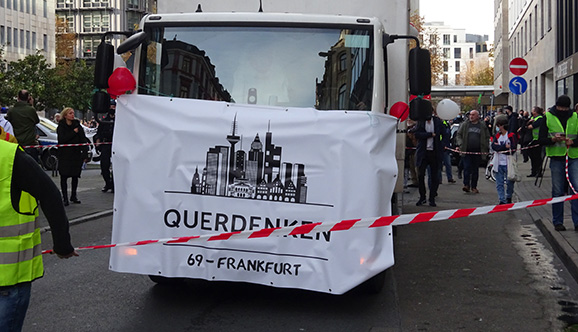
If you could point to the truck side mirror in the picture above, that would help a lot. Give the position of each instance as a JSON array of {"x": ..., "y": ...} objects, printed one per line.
[
  {"x": 420, "y": 109},
  {"x": 419, "y": 72},
  {"x": 104, "y": 64},
  {"x": 132, "y": 42},
  {"x": 100, "y": 102}
]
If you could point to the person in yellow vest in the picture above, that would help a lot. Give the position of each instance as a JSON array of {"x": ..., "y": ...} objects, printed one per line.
[
  {"x": 22, "y": 182},
  {"x": 535, "y": 153},
  {"x": 559, "y": 135}
]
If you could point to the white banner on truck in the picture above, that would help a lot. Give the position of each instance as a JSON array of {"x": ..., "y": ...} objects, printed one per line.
[{"x": 188, "y": 167}]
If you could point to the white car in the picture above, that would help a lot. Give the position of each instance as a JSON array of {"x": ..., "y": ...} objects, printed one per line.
[{"x": 47, "y": 136}]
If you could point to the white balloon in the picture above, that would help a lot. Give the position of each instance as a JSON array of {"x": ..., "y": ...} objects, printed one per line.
[{"x": 447, "y": 109}]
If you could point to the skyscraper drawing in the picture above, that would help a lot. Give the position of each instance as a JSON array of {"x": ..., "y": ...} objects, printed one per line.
[
  {"x": 258, "y": 174},
  {"x": 233, "y": 139},
  {"x": 272, "y": 157}
]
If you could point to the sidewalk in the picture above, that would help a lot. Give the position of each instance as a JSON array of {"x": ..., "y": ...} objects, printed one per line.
[
  {"x": 565, "y": 243},
  {"x": 95, "y": 204}
]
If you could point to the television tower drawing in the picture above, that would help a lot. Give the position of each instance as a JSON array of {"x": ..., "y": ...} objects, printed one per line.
[{"x": 233, "y": 139}]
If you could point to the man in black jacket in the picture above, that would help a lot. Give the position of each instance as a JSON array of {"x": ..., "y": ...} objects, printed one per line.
[
  {"x": 20, "y": 250},
  {"x": 429, "y": 152},
  {"x": 104, "y": 135}
]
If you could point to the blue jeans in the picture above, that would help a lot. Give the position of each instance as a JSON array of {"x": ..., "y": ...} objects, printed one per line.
[
  {"x": 501, "y": 180},
  {"x": 447, "y": 163},
  {"x": 13, "y": 305},
  {"x": 558, "y": 171},
  {"x": 471, "y": 169}
]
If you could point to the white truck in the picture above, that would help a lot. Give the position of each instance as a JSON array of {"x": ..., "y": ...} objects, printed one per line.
[{"x": 303, "y": 56}]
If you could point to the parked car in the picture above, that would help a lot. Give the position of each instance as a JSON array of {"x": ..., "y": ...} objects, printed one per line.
[{"x": 47, "y": 137}]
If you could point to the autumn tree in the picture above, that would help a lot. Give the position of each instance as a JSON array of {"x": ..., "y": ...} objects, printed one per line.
[
  {"x": 430, "y": 44},
  {"x": 476, "y": 73},
  {"x": 65, "y": 41}
]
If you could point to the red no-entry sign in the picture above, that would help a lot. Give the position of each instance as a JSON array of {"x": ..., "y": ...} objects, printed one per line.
[{"x": 518, "y": 66}]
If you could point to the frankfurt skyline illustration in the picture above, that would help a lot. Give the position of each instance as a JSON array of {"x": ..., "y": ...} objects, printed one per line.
[{"x": 259, "y": 174}]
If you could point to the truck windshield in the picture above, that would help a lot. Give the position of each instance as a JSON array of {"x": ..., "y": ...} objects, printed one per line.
[{"x": 325, "y": 68}]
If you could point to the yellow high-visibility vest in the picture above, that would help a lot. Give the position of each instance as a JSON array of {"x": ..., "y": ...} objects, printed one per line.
[{"x": 20, "y": 250}]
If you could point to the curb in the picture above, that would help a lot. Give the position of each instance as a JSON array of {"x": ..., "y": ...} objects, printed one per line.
[
  {"x": 82, "y": 219},
  {"x": 563, "y": 249}
]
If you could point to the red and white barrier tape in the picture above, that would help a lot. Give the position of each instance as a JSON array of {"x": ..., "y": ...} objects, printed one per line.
[
  {"x": 345, "y": 225},
  {"x": 62, "y": 145}
]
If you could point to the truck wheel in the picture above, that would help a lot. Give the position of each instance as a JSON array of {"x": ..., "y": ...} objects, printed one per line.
[
  {"x": 165, "y": 280},
  {"x": 375, "y": 284}
]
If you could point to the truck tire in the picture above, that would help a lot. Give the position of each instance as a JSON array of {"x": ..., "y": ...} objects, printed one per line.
[
  {"x": 165, "y": 280},
  {"x": 375, "y": 284}
]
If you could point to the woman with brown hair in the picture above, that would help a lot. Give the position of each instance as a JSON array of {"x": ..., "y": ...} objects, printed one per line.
[{"x": 70, "y": 158}]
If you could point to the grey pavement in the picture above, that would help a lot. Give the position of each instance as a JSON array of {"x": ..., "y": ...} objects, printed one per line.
[
  {"x": 94, "y": 203},
  {"x": 451, "y": 196}
]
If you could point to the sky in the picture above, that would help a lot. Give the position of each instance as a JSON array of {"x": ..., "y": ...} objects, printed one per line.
[{"x": 476, "y": 16}]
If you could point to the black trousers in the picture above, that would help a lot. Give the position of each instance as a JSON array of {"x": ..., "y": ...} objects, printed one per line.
[
  {"x": 432, "y": 161},
  {"x": 536, "y": 158},
  {"x": 105, "y": 162}
]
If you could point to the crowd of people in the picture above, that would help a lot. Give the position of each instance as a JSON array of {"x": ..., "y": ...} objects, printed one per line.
[
  {"x": 501, "y": 136},
  {"x": 26, "y": 184}
]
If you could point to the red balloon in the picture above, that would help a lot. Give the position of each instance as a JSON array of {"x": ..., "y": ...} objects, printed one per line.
[
  {"x": 114, "y": 93},
  {"x": 400, "y": 110},
  {"x": 121, "y": 81}
]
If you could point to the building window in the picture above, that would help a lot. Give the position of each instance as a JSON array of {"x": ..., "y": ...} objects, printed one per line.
[
  {"x": 95, "y": 21},
  {"x": 446, "y": 39},
  {"x": 457, "y": 79},
  {"x": 342, "y": 62},
  {"x": 33, "y": 7},
  {"x": 455, "y": 38},
  {"x": 2, "y": 3},
  {"x": 447, "y": 52},
  {"x": 542, "y": 18},
  {"x": 22, "y": 6},
  {"x": 45, "y": 43},
  {"x": 15, "y": 38},
  {"x": 458, "y": 66},
  {"x": 132, "y": 20},
  {"x": 22, "y": 40},
  {"x": 27, "y": 40},
  {"x": 445, "y": 79},
  {"x": 433, "y": 39},
  {"x": 186, "y": 65},
  {"x": 45, "y": 8},
  {"x": 132, "y": 4},
  {"x": 445, "y": 66},
  {"x": 341, "y": 97},
  {"x": 523, "y": 41},
  {"x": 15, "y": 4},
  {"x": 68, "y": 19},
  {"x": 33, "y": 41},
  {"x": 9, "y": 4},
  {"x": 549, "y": 13},
  {"x": 89, "y": 46},
  {"x": 471, "y": 52},
  {"x": 28, "y": 6},
  {"x": 95, "y": 3},
  {"x": 536, "y": 25},
  {"x": 9, "y": 36},
  {"x": 457, "y": 53},
  {"x": 530, "y": 32}
]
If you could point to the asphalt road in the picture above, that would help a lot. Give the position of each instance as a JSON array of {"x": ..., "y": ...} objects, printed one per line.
[{"x": 486, "y": 273}]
